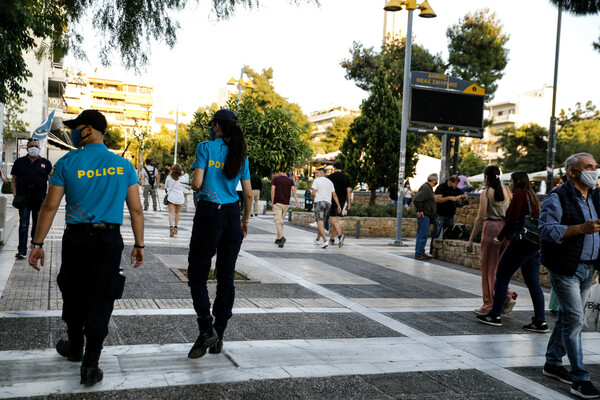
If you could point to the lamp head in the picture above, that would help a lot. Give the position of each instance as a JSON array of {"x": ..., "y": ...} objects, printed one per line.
[
  {"x": 426, "y": 10},
  {"x": 249, "y": 85},
  {"x": 393, "y": 5},
  {"x": 232, "y": 81}
]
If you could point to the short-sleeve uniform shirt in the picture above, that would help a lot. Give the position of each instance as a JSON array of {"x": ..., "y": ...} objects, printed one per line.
[
  {"x": 32, "y": 177},
  {"x": 95, "y": 182},
  {"x": 216, "y": 187}
]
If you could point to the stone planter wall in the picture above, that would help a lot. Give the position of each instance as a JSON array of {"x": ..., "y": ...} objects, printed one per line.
[
  {"x": 454, "y": 251},
  {"x": 362, "y": 198},
  {"x": 369, "y": 226}
]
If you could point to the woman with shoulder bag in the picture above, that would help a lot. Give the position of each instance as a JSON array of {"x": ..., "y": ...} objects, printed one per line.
[
  {"x": 174, "y": 198},
  {"x": 493, "y": 204},
  {"x": 520, "y": 253}
]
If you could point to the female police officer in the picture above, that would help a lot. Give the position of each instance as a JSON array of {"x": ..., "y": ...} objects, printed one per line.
[
  {"x": 96, "y": 182},
  {"x": 220, "y": 164}
]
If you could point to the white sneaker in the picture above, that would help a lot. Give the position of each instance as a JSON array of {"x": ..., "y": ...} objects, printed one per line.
[
  {"x": 325, "y": 244},
  {"x": 316, "y": 242},
  {"x": 313, "y": 224}
]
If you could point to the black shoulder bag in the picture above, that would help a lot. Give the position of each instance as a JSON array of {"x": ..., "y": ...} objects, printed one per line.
[{"x": 529, "y": 228}]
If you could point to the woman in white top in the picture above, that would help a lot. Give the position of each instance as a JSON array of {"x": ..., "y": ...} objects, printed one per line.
[{"x": 174, "y": 187}]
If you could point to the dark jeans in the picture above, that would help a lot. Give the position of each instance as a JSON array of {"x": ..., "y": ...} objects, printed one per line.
[
  {"x": 215, "y": 230},
  {"x": 90, "y": 282},
  {"x": 439, "y": 223},
  {"x": 33, "y": 211},
  {"x": 524, "y": 255}
]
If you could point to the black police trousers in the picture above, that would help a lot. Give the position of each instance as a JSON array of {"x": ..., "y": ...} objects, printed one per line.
[
  {"x": 90, "y": 282},
  {"x": 216, "y": 229}
]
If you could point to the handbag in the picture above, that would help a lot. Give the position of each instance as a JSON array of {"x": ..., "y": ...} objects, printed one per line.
[
  {"x": 20, "y": 201},
  {"x": 529, "y": 228},
  {"x": 591, "y": 308},
  {"x": 165, "y": 200}
]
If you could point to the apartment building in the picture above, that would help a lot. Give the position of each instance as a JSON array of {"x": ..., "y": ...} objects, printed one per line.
[
  {"x": 323, "y": 119},
  {"x": 533, "y": 106}
]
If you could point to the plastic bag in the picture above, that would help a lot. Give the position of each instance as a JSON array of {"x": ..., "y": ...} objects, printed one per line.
[{"x": 591, "y": 308}]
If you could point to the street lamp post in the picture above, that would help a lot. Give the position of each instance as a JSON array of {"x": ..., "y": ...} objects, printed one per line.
[
  {"x": 426, "y": 12},
  {"x": 176, "y": 130},
  {"x": 240, "y": 84},
  {"x": 552, "y": 131}
]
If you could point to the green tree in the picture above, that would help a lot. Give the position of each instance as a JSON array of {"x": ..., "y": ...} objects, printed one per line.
[
  {"x": 274, "y": 142},
  {"x": 335, "y": 134},
  {"x": 365, "y": 64},
  {"x": 471, "y": 164},
  {"x": 125, "y": 27},
  {"x": 524, "y": 148},
  {"x": 13, "y": 124},
  {"x": 578, "y": 136},
  {"x": 431, "y": 146},
  {"x": 477, "y": 50},
  {"x": 570, "y": 116},
  {"x": 370, "y": 151},
  {"x": 114, "y": 138}
]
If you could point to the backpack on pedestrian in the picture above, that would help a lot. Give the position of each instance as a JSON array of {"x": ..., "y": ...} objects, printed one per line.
[{"x": 151, "y": 176}]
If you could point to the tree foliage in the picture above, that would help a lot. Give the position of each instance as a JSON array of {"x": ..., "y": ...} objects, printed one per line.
[
  {"x": 471, "y": 164},
  {"x": 571, "y": 116},
  {"x": 578, "y": 136},
  {"x": 366, "y": 63},
  {"x": 477, "y": 50},
  {"x": 524, "y": 148},
  {"x": 580, "y": 7},
  {"x": 13, "y": 124},
  {"x": 334, "y": 135},
  {"x": 125, "y": 27},
  {"x": 114, "y": 138},
  {"x": 274, "y": 142},
  {"x": 370, "y": 151}
]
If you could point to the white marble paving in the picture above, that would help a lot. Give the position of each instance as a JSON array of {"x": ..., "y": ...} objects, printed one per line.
[{"x": 319, "y": 272}]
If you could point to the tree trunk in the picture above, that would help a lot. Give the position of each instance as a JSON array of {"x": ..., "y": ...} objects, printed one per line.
[{"x": 373, "y": 196}]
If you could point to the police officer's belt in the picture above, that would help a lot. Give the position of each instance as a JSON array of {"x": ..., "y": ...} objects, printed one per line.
[{"x": 94, "y": 226}]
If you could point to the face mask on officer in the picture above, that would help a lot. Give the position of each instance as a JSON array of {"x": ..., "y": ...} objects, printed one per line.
[
  {"x": 33, "y": 151},
  {"x": 76, "y": 136},
  {"x": 589, "y": 178}
]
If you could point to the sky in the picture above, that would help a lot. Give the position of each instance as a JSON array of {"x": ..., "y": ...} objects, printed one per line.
[{"x": 304, "y": 44}]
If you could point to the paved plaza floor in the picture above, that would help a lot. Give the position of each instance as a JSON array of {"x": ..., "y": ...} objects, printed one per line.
[{"x": 365, "y": 321}]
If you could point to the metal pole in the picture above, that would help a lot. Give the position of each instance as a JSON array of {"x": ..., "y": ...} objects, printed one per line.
[
  {"x": 444, "y": 160},
  {"x": 404, "y": 129},
  {"x": 240, "y": 86},
  {"x": 176, "y": 134},
  {"x": 552, "y": 131}
]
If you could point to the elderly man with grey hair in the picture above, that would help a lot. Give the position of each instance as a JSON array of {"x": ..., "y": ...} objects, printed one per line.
[
  {"x": 425, "y": 205},
  {"x": 570, "y": 241}
]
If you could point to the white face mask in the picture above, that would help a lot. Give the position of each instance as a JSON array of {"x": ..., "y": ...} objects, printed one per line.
[
  {"x": 589, "y": 178},
  {"x": 33, "y": 151}
]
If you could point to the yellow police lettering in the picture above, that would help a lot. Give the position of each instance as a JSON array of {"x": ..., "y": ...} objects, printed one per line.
[
  {"x": 111, "y": 171},
  {"x": 218, "y": 165},
  {"x": 80, "y": 173},
  {"x": 103, "y": 171},
  {"x": 119, "y": 170},
  {"x": 98, "y": 173},
  {"x": 90, "y": 174},
  {"x": 211, "y": 163}
]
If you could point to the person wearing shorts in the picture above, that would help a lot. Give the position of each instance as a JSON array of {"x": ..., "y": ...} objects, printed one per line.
[
  {"x": 322, "y": 193},
  {"x": 281, "y": 188}
]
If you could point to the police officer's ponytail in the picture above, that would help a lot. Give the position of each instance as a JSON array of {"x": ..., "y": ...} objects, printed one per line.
[{"x": 238, "y": 148}]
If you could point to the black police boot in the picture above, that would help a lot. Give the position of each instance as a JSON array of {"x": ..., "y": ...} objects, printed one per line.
[
  {"x": 220, "y": 329},
  {"x": 65, "y": 348},
  {"x": 90, "y": 372},
  {"x": 207, "y": 338}
]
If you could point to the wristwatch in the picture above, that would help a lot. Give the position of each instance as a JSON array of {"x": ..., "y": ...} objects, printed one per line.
[{"x": 35, "y": 245}]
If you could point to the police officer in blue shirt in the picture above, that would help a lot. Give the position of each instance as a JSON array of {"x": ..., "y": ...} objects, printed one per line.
[
  {"x": 96, "y": 183},
  {"x": 220, "y": 164}
]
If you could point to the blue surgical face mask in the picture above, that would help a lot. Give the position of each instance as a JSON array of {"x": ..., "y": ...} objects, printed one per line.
[{"x": 76, "y": 136}]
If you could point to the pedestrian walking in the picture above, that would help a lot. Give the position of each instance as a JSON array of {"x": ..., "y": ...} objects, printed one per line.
[
  {"x": 425, "y": 206},
  {"x": 343, "y": 190},
  {"x": 174, "y": 187},
  {"x": 493, "y": 203},
  {"x": 281, "y": 188},
  {"x": 257, "y": 186},
  {"x": 569, "y": 239},
  {"x": 29, "y": 184},
  {"x": 520, "y": 253},
  {"x": 322, "y": 194},
  {"x": 148, "y": 182},
  {"x": 220, "y": 164},
  {"x": 96, "y": 184},
  {"x": 447, "y": 195}
]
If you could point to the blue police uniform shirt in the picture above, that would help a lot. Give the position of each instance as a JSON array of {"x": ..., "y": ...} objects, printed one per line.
[
  {"x": 216, "y": 187},
  {"x": 96, "y": 183}
]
